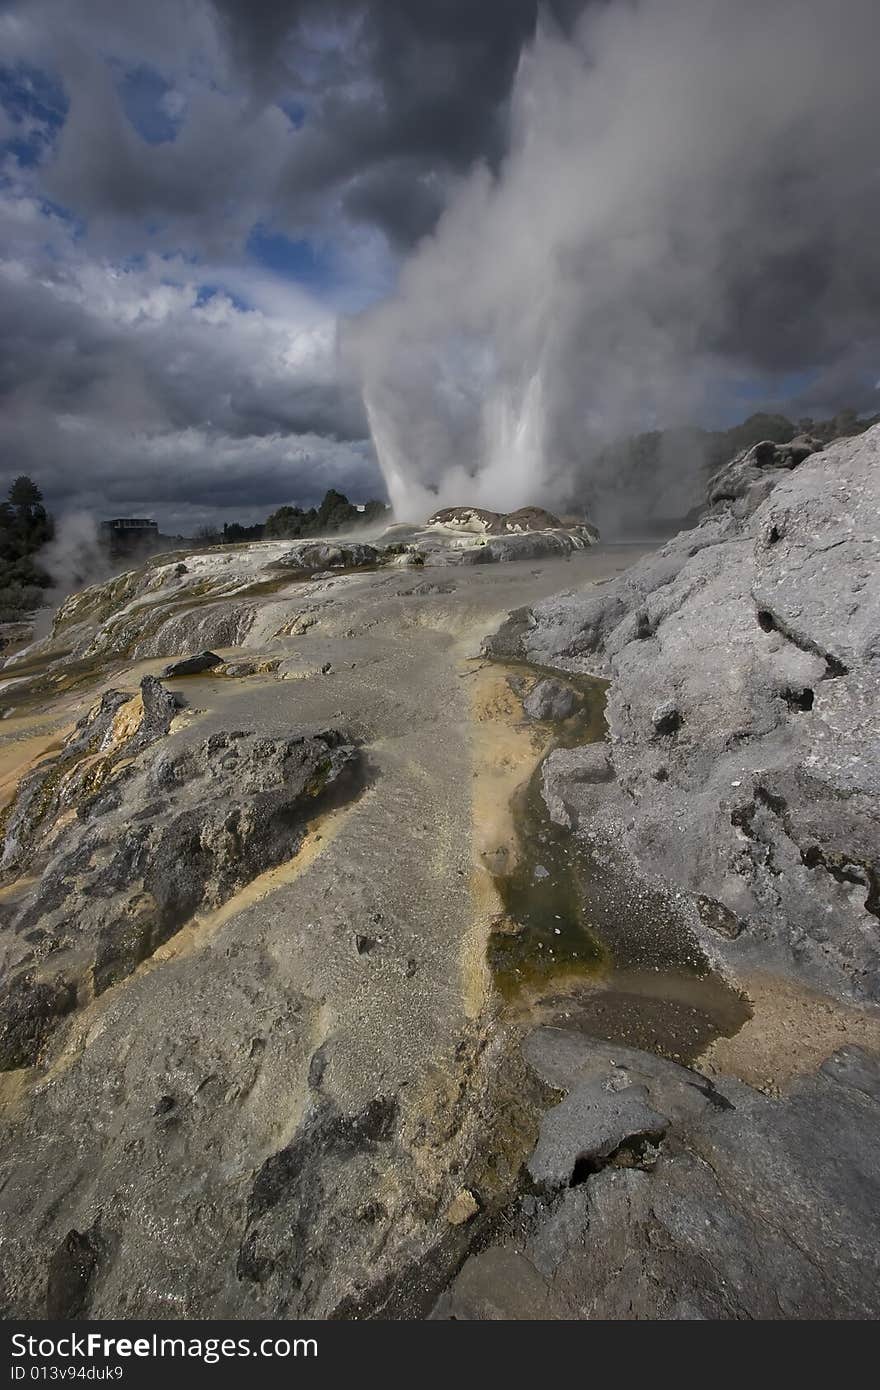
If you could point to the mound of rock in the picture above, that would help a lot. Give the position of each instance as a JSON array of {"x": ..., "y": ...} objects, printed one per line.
[
  {"x": 744, "y": 710},
  {"x": 327, "y": 555},
  {"x": 479, "y": 521},
  {"x": 157, "y": 834},
  {"x": 475, "y": 519},
  {"x": 752, "y": 474}
]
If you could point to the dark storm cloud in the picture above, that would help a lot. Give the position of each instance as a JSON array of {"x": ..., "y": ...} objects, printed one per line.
[
  {"x": 390, "y": 102},
  {"x": 413, "y": 94},
  {"x": 126, "y": 379}
]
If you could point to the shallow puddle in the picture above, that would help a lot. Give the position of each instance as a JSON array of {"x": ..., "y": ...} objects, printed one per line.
[{"x": 584, "y": 944}]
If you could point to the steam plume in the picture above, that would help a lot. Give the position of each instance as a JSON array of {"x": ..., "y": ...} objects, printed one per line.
[
  {"x": 685, "y": 225},
  {"x": 73, "y": 559}
]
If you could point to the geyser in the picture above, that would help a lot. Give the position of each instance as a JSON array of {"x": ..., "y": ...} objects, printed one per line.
[{"x": 681, "y": 230}]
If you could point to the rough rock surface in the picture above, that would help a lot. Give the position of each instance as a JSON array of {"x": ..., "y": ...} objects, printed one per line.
[
  {"x": 744, "y": 718},
  {"x": 274, "y": 1114},
  {"x": 569, "y": 778},
  {"x": 487, "y": 523},
  {"x": 747, "y": 1207},
  {"x": 326, "y": 555},
  {"x": 550, "y": 699},
  {"x": 156, "y": 837},
  {"x": 592, "y": 1123},
  {"x": 192, "y": 665}
]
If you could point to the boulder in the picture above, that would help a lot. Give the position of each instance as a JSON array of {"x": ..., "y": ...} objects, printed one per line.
[
  {"x": 550, "y": 700},
  {"x": 572, "y": 781},
  {"x": 192, "y": 665}
]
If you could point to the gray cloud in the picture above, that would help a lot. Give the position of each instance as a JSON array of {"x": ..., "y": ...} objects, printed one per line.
[
  {"x": 121, "y": 390},
  {"x": 123, "y": 387},
  {"x": 397, "y": 100},
  {"x": 657, "y": 215}
]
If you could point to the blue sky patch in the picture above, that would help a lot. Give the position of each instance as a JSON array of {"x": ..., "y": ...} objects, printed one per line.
[
  {"x": 151, "y": 104},
  {"x": 207, "y": 292},
  {"x": 303, "y": 262},
  {"x": 294, "y": 111},
  {"x": 38, "y": 105}
]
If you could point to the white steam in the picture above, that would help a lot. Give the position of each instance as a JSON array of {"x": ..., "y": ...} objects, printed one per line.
[
  {"x": 74, "y": 559},
  {"x": 689, "y": 203}
]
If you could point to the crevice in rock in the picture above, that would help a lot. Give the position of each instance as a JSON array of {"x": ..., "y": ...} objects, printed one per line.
[
  {"x": 707, "y": 1088},
  {"x": 799, "y": 699},
  {"x": 637, "y": 1151},
  {"x": 846, "y": 871},
  {"x": 71, "y": 1274},
  {"x": 771, "y": 622}
]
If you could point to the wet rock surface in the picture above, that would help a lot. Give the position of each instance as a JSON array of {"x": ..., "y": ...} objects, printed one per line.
[
  {"x": 743, "y": 712},
  {"x": 742, "y": 1207},
  {"x": 549, "y": 699},
  {"x": 29, "y": 1011}
]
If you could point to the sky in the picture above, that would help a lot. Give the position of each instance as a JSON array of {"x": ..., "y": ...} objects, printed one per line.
[
  {"x": 198, "y": 197},
  {"x": 192, "y": 194}
]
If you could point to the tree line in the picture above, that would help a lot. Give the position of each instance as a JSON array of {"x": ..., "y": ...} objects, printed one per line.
[
  {"x": 334, "y": 513},
  {"x": 25, "y": 527}
]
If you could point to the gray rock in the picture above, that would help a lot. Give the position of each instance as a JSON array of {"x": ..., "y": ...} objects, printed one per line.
[
  {"x": 756, "y": 1208},
  {"x": 192, "y": 665},
  {"x": 528, "y": 545},
  {"x": 159, "y": 708},
  {"x": 72, "y": 1269},
  {"x": 566, "y": 1060},
  {"x": 56, "y": 785},
  {"x": 29, "y": 1011},
  {"x": 588, "y": 1126},
  {"x": 550, "y": 700},
  {"x": 162, "y": 838},
  {"x": 496, "y": 1285},
  {"x": 759, "y": 763},
  {"x": 328, "y": 555},
  {"x": 573, "y": 780}
]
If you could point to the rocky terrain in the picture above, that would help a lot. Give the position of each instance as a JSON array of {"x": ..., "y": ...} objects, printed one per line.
[
  {"x": 744, "y": 724},
  {"x": 740, "y": 770},
  {"x": 351, "y": 973}
]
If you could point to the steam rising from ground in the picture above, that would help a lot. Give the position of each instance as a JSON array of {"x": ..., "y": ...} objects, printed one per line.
[
  {"x": 689, "y": 207},
  {"x": 74, "y": 558}
]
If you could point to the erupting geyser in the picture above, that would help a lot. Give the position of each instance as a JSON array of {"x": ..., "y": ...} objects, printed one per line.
[{"x": 679, "y": 218}]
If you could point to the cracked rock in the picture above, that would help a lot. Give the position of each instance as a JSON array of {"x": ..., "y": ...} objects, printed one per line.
[{"x": 588, "y": 1126}]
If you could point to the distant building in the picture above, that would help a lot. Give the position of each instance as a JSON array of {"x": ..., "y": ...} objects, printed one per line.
[{"x": 130, "y": 533}]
